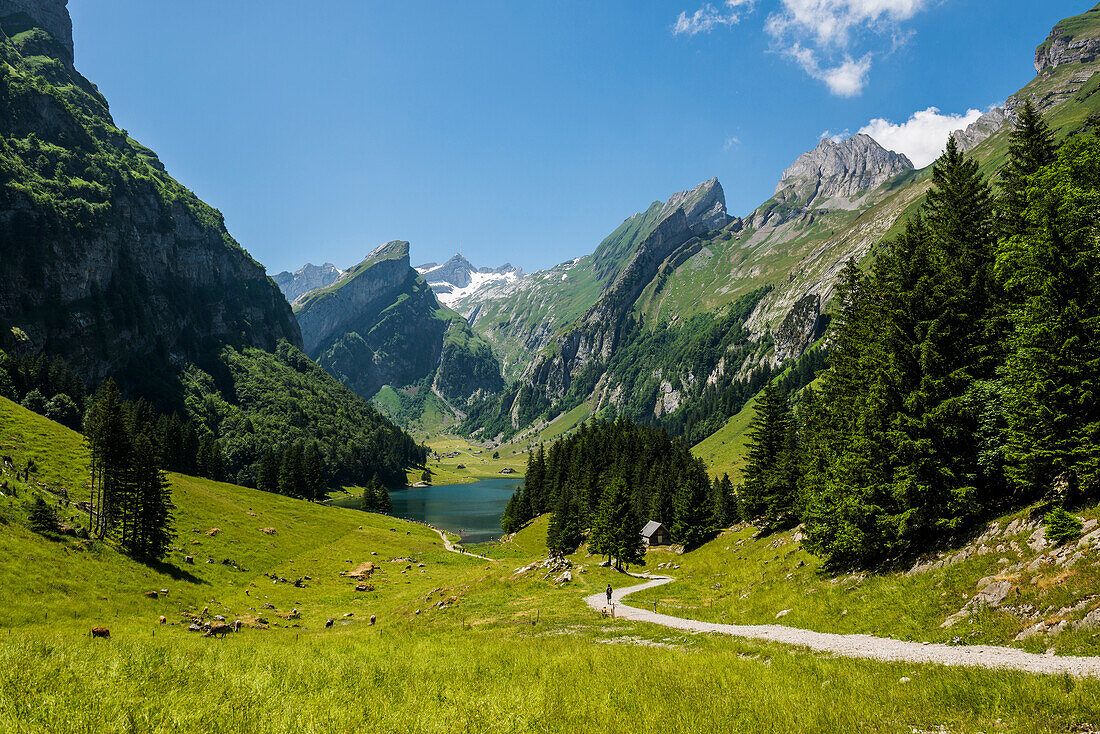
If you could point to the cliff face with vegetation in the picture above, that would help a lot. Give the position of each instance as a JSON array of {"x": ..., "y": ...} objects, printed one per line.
[
  {"x": 380, "y": 324},
  {"x": 105, "y": 259}
]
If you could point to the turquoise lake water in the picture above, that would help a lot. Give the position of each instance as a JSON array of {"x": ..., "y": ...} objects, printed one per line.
[{"x": 471, "y": 510}]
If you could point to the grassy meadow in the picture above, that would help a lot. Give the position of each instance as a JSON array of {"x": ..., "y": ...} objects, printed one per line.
[{"x": 460, "y": 644}]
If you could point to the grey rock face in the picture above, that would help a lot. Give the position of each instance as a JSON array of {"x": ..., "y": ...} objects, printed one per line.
[
  {"x": 50, "y": 15},
  {"x": 1061, "y": 48},
  {"x": 799, "y": 329},
  {"x": 705, "y": 204},
  {"x": 307, "y": 278},
  {"x": 323, "y": 317},
  {"x": 980, "y": 129},
  {"x": 457, "y": 271},
  {"x": 843, "y": 169}
]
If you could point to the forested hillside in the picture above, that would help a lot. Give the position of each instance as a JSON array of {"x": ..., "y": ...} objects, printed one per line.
[
  {"x": 964, "y": 365},
  {"x": 105, "y": 259},
  {"x": 110, "y": 268}
]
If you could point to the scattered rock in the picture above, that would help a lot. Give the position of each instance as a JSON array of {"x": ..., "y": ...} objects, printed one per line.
[
  {"x": 151, "y": 594},
  {"x": 213, "y": 531},
  {"x": 565, "y": 578},
  {"x": 904, "y": 679},
  {"x": 783, "y": 613},
  {"x": 267, "y": 531}
]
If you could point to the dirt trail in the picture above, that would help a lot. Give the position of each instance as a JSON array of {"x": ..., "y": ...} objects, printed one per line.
[
  {"x": 859, "y": 646},
  {"x": 450, "y": 546}
]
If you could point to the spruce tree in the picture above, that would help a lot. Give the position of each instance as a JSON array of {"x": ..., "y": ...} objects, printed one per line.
[
  {"x": 616, "y": 532},
  {"x": 1052, "y": 373},
  {"x": 382, "y": 496},
  {"x": 41, "y": 517},
  {"x": 692, "y": 523},
  {"x": 313, "y": 481},
  {"x": 768, "y": 493},
  {"x": 267, "y": 477},
  {"x": 1030, "y": 148},
  {"x": 564, "y": 533},
  {"x": 152, "y": 532},
  {"x": 369, "y": 501}
]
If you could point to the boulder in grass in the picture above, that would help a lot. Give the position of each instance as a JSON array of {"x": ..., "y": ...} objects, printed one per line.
[{"x": 268, "y": 531}]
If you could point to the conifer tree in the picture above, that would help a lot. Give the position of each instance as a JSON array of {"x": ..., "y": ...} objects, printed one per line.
[
  {"x": 616, "y": 532},
  {"x": 1052, "y": 373},
  {"x": 313, "y": 481},
  {"x": 382, "y": 496},
  {"x": 693, "y": 516},
  {"x": 768, "y": 493},
  {"x": 1031, "y": 147},
  {"x": 564, "y": 533},
  {"x": 152, "y": 532},
  {"x": 369, "y": 501},
  {"x": 267, "y": 479},
  {"x": 42, "y": 518}
]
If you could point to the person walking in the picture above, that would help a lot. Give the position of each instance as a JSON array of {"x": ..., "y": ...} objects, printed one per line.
[{"x": 609, "y": 593}]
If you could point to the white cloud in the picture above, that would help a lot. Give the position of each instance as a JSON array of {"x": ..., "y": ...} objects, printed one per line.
[
  {"x": 923, "y": 136},
  {"x": 707, "y": 17},
  {"x": 820, "y": 35},
  {"x": 845, "y": 79},
  {"x": 730, "y": 143}
]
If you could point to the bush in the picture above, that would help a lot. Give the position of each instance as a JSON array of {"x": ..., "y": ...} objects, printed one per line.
[
  {"x": 61, "y": 409},
  {"x": 35, "y": 402},
  {"x": 1062, "y": 527}
]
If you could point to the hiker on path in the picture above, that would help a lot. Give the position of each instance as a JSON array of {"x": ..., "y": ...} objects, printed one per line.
[{"x": 609, "y": 593}]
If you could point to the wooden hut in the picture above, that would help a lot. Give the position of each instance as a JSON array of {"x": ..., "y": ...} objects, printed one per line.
[{"x": 655, "y": 533}]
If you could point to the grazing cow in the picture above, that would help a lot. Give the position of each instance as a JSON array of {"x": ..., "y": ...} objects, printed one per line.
[
  {"x": 162, "y": 620},
  {"x": 219, "y": 629},
  {"x": 372, "y": 619},
  {"x": 237, "y": 626},
  {"x": 101, "y": 632},
  {"x": 329, "y": 623}
]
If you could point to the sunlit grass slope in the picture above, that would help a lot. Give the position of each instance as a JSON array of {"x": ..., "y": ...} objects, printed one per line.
[{"x": 460, "y": 644}]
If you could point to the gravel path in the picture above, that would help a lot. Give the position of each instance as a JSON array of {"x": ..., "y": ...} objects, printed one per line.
[
  {"x": 450, "y": 546},
  {"x": 858, "y": 646}
]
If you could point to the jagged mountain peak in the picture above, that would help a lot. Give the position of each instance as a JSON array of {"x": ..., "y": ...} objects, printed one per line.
[
  {"x": 50, "y": 15},
  {"x": 306, "y": 278},
  {"x": 840, "y": 169},
  {"x": 704, "y": 204},
  {"x": 458, "y": 277}
]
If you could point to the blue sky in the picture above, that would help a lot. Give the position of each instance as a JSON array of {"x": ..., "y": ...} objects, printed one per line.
[{"x": 521, "y": 130}]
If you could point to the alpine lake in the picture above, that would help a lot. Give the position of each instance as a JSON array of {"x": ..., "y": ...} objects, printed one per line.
[{"x": 472, "y": 510}]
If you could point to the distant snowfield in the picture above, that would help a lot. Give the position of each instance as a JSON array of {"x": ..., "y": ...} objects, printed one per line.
[{"x": 448, "y": 294}]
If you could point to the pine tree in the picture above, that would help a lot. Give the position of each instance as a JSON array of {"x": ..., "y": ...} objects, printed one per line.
[
  {"x": 313, "y": 482},
  {"x": 382, "y": 496},
  {"x": 564, "y": 533},
  {"x": 768, "y": 493},
  {"x": 369, "y": 501},
  {"x": 42, "y": 518},
  {"x": 1052, "y": 373},
  {"x": 110, "y": 450},
  {"x": 1031, "y": 147},
  {"x": 152, "y": 531},
  {"x": 267, "y": 477},
  {"x": 616, "y": 532},
  {"x": 290, "y": 470},
  {"x": 692, "y": 518}
]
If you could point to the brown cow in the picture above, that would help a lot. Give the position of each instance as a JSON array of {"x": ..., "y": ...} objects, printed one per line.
[
  {"x": 217, "y": 629},
  {"x": 101, "y": 632},
  {"x": 162, "y": 620},
  {"x": 237, "y": 626}
]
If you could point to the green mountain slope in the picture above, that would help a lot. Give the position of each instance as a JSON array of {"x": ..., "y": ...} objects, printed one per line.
[
  {"x": 380, "y": 325},
  {"x": 834, "y": 204},
  {"x": 105, "y": 259}
]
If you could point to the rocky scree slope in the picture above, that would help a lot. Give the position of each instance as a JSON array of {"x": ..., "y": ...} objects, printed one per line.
[
  {"x": 105, "y": 259},
  {"x": 458, "y": 278},
  {"x": 380, "y": 324}
]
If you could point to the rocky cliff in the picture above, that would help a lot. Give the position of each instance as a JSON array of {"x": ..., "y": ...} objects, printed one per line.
[
  {"x": 839, "y": 170},
  {"x": 105, "y": 260},
  {"x": 306, "y": 278},
  {"x": 52, "y": 16},
  {"x": 1075, "y": 40},
  {"x": 380, "y": 324}
]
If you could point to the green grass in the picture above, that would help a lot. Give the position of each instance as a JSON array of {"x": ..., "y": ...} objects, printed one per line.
[
  {"x": 460, "y": 645},
  {"x": 478, "y": 462},
  {"x": 743, "y": 579},
  {"x": 726, "y": 450}
]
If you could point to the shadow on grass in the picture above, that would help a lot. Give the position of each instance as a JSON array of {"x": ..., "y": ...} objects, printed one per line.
[{"x": 177, "y": 573}]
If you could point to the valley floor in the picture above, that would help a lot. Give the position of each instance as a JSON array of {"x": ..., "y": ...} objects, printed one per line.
[{"x": 459, "y": 643}]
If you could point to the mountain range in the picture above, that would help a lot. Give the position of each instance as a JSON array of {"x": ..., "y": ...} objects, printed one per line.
[{"x": 631, "y": 329}]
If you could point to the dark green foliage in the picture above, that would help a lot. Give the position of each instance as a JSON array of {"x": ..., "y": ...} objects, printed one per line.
[
  {"x": 768, "y": 494},
  {"x": 893, "y": 459},
  {"x": 41, "y": 517},
  {"x": 376, "y": 498},
  {"x": 63, "y": 410},
  {"x": 616, "y": 530},
  {"x": 666, "y": 482},
  {"x": 257, "y": 402},
  {"x": 1062, "y": 527},
  {"x": 34, "y": 401},
  {"x": 131, "y": 496},
  {"x": 724, "y": 504},
  {"x": 564, "y": 533},
  {"x": 1031, "y": 147},
  {"x": 1052, "y": 373},
  {"x": 267, "y": 478}
]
